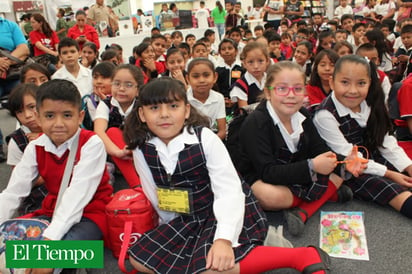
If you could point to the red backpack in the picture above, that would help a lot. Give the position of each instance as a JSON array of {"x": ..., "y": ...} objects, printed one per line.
[{"x": 129, "y": 215}]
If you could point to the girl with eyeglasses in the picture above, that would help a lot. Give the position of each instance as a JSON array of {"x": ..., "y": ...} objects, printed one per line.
[
  {"x": 286, "y": 162},
  {"x": 112, "y": 111}
]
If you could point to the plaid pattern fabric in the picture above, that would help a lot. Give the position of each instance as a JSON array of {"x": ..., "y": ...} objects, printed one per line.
[
  {"x": 349, "y": 127},
  {"x": 33, "y": 201},
  {"x": 19, "y": 137},
  {"x": 181, "y": 246},
  {"x": 366, "y": 187},
  {"x": 309, "y": 192},
  {"x": 115, "y": 118}
]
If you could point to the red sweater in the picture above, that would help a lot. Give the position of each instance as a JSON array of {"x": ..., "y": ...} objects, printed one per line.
[{"x": 88, "y": 31}]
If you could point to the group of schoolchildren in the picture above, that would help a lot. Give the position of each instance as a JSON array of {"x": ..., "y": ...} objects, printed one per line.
[{"x": 161, "y": 120}]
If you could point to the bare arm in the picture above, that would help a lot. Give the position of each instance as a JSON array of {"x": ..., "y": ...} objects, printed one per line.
[
  {"x": 100, "y": 127},
  {"x": 221, "y": 126},
  {"x": 42, "y": 47}
]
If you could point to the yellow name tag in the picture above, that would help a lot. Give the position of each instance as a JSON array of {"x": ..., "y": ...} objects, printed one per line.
[
  {"x": 236, "y": 74},
  {"x": 176, "y": 200}
]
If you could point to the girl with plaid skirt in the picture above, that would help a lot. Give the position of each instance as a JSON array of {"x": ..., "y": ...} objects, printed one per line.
[
  {"x": 283, "y": 158},
  {"x": 355, "y": 114},
  {"x": 209, "y": 220}
]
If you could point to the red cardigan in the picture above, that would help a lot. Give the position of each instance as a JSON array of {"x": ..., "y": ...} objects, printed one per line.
[{"x": 88, "y": 31}]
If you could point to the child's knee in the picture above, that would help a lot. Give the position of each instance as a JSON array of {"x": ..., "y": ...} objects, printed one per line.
[{"x": 139, "y": 267}]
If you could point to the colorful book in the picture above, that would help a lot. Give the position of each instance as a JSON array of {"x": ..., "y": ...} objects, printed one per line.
[{"x": 342, "y": 234}]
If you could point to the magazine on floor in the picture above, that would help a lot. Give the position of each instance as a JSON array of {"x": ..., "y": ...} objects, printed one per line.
[{"x": 342, "y": 234}]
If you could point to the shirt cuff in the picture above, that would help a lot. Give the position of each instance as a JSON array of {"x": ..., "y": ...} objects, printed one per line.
[
  {"x": 227, "y": 232},
  {"x": 312, "y": 172}
]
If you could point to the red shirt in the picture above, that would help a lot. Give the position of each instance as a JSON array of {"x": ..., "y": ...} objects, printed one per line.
[
  {"x": 88, "y": 31},
  {"x": 49, "y": 42},
  {"x": 287, "y": 51},
  {"x": 146, "y": 78}
]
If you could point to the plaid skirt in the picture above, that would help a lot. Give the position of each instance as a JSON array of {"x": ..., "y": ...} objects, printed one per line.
[
  {"x": 379, "y": 189},
  {"x": 182, "y": 245}
]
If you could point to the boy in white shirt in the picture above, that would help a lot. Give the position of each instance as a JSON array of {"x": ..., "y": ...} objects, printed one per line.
[
  {"x": 69, "y": 53},
  {"x": 342, "y": 9}
]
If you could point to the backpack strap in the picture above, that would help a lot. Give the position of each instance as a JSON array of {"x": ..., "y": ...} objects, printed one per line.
[
  {"x": 242, "y": 85},
  {"x": 125, "y": 246}
]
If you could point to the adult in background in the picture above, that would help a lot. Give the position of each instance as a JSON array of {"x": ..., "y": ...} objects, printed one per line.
[
  {"x": 113, "y": 21},
  {"x": 13, "y": 41},
  {"x": 293, "y": 10},
  {"x": 61, "y": 24},
  {"x": 99, "y": 13},
  {"x": 274, "y": 10},
  {"x": 82, "y": 32},
  {"x": 201, "y": 15},
  {"x": 43, "y": 38},
  {"x": 218, "y": 15}
]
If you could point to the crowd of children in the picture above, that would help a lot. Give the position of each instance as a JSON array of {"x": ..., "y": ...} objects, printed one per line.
[{"x": 318, "y": 91}]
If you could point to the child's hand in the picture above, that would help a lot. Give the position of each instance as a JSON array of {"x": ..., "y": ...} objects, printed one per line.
[
  {"x": 399, "y": 178},
  {"x": 32, "y": 136},
  {"x": 124, "y": 154},
  {"x": 99, "y": 92},
  {"x": 178, "y": 75},
  {"x": 228, "y": 103},
  {"x": 324, "y": 163},
  {"x": 403, "y": 58},
  {"x": 150, "y": 64},
  {"x": 221, "y": 256},
  {"x": 355, "y": 164}
]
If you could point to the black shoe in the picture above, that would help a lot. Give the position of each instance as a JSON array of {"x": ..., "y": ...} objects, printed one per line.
[
  {"x": 345, "y": 194},
  {"x": 295, "y": 224},
  {"x": 323, "y": 265}
]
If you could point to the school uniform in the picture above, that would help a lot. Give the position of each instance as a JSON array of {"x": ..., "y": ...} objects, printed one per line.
[
  {"x": 16, "y": 144},
  {"x": 227, "y": 75},
  {"x": 109, "y": 109},
  {"x": 247, "y": 88},
  {"x": 342, "y": 128},
  {"x": 181, "y": 242},
  {"x": 83, "y": 81},
  {"x": 88, "y": 191},
  {"x": 213, "y": 107},
  {"x": 316, "y": 95},
  {"x": 269, "y": 153}
]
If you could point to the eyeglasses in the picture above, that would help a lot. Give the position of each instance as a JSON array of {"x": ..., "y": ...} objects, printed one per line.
[
  {"x": 125, "y": 85},
  {"x": 284, "y": 90},
  {"x": 302, "y": 37}
]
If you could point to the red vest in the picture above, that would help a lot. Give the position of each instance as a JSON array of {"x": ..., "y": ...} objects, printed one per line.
[{"x": 51, "y": 168}]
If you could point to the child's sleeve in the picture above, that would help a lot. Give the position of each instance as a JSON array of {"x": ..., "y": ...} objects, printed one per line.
[
  {"x": 229, "y": 200},
  {"x": 236, "y": 93},
  {"x": 20, "y": 183},
  {"x": 102, "y": 111},
  {"x": 14, "y": 154},
  {"x": 86, "y": 177}
]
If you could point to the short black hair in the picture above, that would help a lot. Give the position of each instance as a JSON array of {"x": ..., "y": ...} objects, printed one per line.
[
  {"x": 406, "y": 29},
  {"x": 104, "y": 69},
  {"x": 68, "y": 42},
  {"x": 58, "y": 90},
  {"x": 208, "y": 32},
  {"x": 36, "y": 67},
  {"x": 346, "y": 16}
]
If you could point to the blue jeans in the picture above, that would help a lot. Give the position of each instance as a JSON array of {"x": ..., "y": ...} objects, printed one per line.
[
  {"x": 86, "y": 229},
  {"x": 220, "y": 29}
]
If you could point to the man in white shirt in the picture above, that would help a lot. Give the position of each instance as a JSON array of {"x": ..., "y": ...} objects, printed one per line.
[{"x": 201, "y": 16}]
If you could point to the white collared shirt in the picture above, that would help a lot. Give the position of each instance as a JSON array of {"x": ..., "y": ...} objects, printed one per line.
[
  {"x": 103, "y": 111},
  {"x": 87, "y": 174},
  {"x": 83, "y": 82},
  {"x": 229, "y": 200},
  {"x": 214, "y": 107},
  {"x": 328, "y": 129},
  {"x": 291, "y": 140},
  {"x": 14, "y": 154},
  {"x": 236, "y": 93}
]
